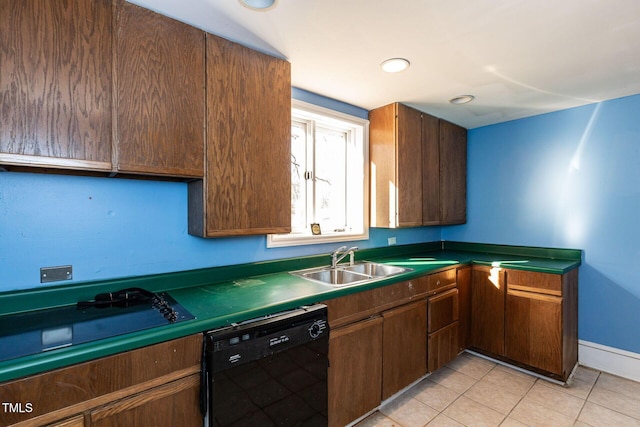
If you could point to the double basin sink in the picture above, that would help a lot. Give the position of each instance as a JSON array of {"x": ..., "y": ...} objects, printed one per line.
[{"x": 350, "y": 274}]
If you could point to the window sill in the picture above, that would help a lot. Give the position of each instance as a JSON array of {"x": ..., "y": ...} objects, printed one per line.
[{"x": 283, "y": 240}]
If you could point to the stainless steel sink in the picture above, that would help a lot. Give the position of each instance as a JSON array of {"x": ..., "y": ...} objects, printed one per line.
[
  {"x": 335, "y": 276},
  {"x": 375, "y": 269},
  {"x": 348, "y": 275}
]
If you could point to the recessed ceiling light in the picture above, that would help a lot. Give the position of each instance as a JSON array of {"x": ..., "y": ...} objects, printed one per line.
[
  {"x": 462, "y": 99},
  {"x": 395, "y": 65},
  {"x": 260, "y": 5}
]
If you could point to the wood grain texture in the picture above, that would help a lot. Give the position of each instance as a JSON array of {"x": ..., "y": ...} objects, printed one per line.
[
  {"x": 160, "y": 92},
  {"x": 442, "y": 346},
  {"x": 464, "y": 306},
  {"x": 383, "y": 160},
  {"x": 172, "y": 404},
  {"x": 443, "y": 310},
  {"x": 358, "y": 306},
  {"x": 533, "y": 330},
  {"x": 63, "y": 392},
  {"x": 409, "y": 167},
  {"x": 569, "y": 322},
  {"x": 487, "y": 310},
  {"x": 355, "y": 371},
  {"x": 55, "y": 79},
  {"x": 534, "y": 281},
  {"x": 438, "y": 282},
  {"x": 430, "y": 170},
  {"x": 404, "y": 348},
  {"x": 453, "y": 173},
  {"x": 248, "y": 176},
  {"x": 77, "y": 421}
]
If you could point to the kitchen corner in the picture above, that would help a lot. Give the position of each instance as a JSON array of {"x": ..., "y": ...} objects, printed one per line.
[{"x": 224, "y": 295}]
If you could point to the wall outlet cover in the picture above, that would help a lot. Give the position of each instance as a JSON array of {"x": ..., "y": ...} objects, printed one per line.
[{"x": 56, "y": 274}]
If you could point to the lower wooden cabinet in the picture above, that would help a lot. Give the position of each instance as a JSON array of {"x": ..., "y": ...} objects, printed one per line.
[
  {"x": 487, "y": 309},
  {"x": 156, "y": 385},
  {"x": 442, "y": 326},
  {"x": 533, "y": 335},
  {"x": 77, "y": 421},
  {"x": 172, "y": 404},
  {"x": 404, "y": 340},
  {"x": 355, "y": 370},
  {"x": 442, "y": 346},
  {"x": 526, "y": 318},
  {"x": 541, "y": 321},
  {"x": 464, "y": 307}
]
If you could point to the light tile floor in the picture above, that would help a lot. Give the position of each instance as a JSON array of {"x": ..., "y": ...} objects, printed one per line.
[{"x": 472, "y": 391}]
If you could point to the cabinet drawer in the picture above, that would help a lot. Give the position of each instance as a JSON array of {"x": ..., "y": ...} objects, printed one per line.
[
  {"x": 532, "y": 281},
  {"x": 442, "y": 310},
  {"x": 358, "y": 306},
  {"x": 440, "y": 281}
]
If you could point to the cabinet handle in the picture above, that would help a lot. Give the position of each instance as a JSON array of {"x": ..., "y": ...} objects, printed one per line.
[{"x": 536, "y": 296}]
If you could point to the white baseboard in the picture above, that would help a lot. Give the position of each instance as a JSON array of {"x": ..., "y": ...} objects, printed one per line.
[{"x": 609, "y": 359}]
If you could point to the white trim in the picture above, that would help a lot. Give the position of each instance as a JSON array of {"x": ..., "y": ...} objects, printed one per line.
[
  {"x": 609, "y": 359},
  {"x": 305, "y": 109}
]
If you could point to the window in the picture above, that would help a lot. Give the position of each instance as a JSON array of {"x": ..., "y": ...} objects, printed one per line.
[{"x": 329, "y": 177}]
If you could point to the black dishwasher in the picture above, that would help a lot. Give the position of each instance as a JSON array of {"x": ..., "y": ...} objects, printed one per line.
[{"x": 270, "y": 371}]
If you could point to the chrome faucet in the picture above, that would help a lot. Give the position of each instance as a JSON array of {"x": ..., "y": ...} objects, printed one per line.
[{"x": 340, "y": 253}]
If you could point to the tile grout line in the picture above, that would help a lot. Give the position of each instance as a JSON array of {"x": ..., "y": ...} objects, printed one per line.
[
  {"x": 586, "y": 399},
  {"x": 477, "y": 380},
  {"x": 606, "y": 407},
  {"x": 520, "y": 400}
]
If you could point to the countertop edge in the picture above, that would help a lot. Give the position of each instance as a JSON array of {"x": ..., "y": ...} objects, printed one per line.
[{"x": 34, "y": 364}]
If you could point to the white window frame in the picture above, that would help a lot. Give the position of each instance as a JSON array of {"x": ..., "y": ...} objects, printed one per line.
[{"x": 311, "y": 111}]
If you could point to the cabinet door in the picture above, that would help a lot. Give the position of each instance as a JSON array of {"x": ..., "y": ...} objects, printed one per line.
[
  {"x": 404, "y": 353},
  {"x": 173, "y": 404},
  {"x": 77, "y": 421},
  {"x": 55, "y": 87},
  {"x": 247, "y": 185},
  {"x": 453, "y": 173},
  {"x": 430, "y": 170},
  {"x": 395, "y": 154},
  {"x": 355, "y": 370},
  {"x": 160, "y": 78},
  {"x": 443, "y": 346},
  {"x": 533, "y": 330},
  {"x": 409, "y": 167},
  {"x": 464, "y": 307},
  {"x": 62, "y": 393},
  {"x": 487, "y": 309}
]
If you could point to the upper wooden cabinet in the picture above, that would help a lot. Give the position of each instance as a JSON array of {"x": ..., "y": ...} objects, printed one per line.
[
  {"x": 159, "y": 94},
  {"x": 418, "y": 168},
  {"x": 55, "y": 83},
  {"x": 396, "y": 173},
  {"x": 247, "y": 184},
  {"x": 453, "y": 173}
]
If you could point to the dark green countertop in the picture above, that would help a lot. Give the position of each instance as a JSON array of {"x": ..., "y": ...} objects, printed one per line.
[{"x": 224, "y": 295}]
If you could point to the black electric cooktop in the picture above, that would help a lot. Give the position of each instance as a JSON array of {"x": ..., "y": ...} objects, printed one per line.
[{"x": 35, "y": 332}]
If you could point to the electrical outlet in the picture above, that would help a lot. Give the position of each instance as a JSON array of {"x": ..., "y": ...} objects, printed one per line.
[
  {"x": 391, "y": 241},
  {"x": 56, "y": 274}
]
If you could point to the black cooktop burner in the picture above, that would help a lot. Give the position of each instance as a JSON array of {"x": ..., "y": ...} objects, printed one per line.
[{"x": 34, "y": 332}]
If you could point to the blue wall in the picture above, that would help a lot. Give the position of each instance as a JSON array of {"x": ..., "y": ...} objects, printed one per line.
[
  {"x": 567, "y": 179},
  {"x": 112, "y": 227}
]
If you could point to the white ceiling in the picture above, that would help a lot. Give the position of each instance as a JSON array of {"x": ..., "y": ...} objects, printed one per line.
[{"x": 517, "y": 57}]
